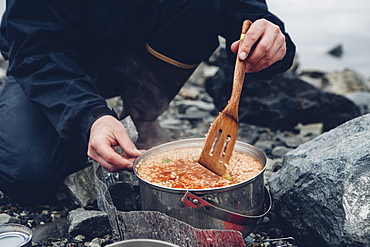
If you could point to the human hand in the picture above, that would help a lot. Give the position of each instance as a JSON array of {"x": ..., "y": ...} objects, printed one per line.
[
  {"x": 106, "y": 133},
  {"x": 263, "y": 45}
]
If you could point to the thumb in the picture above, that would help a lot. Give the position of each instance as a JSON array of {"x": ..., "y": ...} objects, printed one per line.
[
  {"x": 126, "y": 144},
  {"x": 235, "y": 46}
]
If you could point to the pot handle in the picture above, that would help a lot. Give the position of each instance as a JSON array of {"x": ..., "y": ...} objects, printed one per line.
[{"x": 194, "y": 201}]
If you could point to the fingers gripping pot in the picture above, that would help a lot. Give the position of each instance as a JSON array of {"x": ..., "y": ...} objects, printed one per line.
[{"x": 235, "y": 207}]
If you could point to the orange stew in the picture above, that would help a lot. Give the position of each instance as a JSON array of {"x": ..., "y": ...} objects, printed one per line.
[{"x": 179, "y": 168}]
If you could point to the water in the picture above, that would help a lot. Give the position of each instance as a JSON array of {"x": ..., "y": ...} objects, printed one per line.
[{"x": 317, "y": 26}]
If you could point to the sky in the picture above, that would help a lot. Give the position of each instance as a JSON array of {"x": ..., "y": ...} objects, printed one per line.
[{"x": 316, "y": 26}]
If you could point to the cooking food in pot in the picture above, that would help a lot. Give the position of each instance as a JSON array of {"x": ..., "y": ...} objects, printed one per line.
[{"x": 179, "y": 168}]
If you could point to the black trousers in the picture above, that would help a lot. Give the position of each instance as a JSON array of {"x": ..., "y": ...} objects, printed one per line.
[{"x": 34, "y": 159}]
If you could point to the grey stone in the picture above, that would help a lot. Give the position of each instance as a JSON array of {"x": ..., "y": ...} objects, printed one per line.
[
  {"x": 4, "y": 218},
  {"x": 336, "y": 51},
  {"x": 80, "y": 238},
  {"x": 314, "y": 81},
  {"x": 264, "y": 145},
  {"x": 89, "y": 223},
  {"x": 361, "y": 99},
  {"x": 346, "y": 81},
  {"x": 56, "y": 229},
  {"x": 274, "y": 164},
  {"x": 322, "y": 192},
  {"x": 59, "y": 244},
  {"x": 198, "y": 104},
  {"x": 130, "y": 128},
  {"x": 80, "y": 186},
  {"x": 339, "y": 82},
  {"x": 311, "y": 130},
  {"x": 171, "y": 123},
  {"x": 249, "y": 240},
  {"x": 202, "y": 72},
  {"x": 194, "y": 113},
  {"x": 280, "y": 151},
  {"x": 250, "y": 133},
  {"x": 115, "y": 104},
  {"x": 293, "y": 141},
  {"x": 96, "y": 242}
]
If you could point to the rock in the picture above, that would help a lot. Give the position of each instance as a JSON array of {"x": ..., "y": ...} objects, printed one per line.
[
  {"x": 250, "y": 133},
  {"x": 79, "y": 238},
  {"x": 287, "y": 100},
  {"x": 116, "y": 104},
  {"x": 292, "y": 141},
  {"x": 80, "y": 186},
  {"x": 340, "y": 83},
  {"x": 4, "y": 218},
  {"x": 272, "y": 166},
  {"x": 96, "y": 242},
  {"x": 361, "y": 99},
  {"x": 280, "y": 151},
  {"x": 89, "y": 223},
  {"x": 201, "y": 105},
  {"x": 337, "y": 51},
  {"x": 321, "y": 194},
  {"x": 281, "y": 103},
  {"x": 130, "y": 128},
  {"x": 311, "y": 130},
  {"x": 202, "y": 72},
  {"x": 53, "y": 230},
  {"x": 265, "y": 145},
  {"x": 346, "y": 81}
]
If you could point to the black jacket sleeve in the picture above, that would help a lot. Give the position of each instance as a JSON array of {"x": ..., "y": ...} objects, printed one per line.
[
  {"x": 239, "y": 10},
  {"x": 40, "y": 39}
]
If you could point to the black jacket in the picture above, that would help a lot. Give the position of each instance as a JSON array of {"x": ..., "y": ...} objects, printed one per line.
[{"x": 58, "y": 48}]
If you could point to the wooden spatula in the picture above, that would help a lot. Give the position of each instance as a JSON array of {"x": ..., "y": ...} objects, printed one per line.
[{"x": 222, "y": 134}]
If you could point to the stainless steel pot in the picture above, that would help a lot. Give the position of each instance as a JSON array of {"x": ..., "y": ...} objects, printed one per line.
[
  {"x": 236, "y": 207},
  {"x": 142, "y": 243},
  {"x": 15, "y": 235}
]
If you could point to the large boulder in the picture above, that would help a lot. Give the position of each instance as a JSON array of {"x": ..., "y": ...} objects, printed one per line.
[
  {"x": 337, "y": 82},
  {"x": 280, "y": 103},
  {"x": 322, "y": 192}
]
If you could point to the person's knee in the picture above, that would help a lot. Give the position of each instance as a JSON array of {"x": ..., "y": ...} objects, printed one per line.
[{"x": 30, "y": 186}]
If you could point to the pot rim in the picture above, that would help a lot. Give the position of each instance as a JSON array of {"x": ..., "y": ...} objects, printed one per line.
[
  {"x": 238, "y": 147},
  {"x": 142, "y": 241}
]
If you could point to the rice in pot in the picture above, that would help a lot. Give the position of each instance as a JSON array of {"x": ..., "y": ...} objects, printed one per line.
[{"x": 179, "y": 168}]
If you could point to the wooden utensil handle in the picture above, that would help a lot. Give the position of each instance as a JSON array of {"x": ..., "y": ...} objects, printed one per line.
[{"x": 239, "y": 74}]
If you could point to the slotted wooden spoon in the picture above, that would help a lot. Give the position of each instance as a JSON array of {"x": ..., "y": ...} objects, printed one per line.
[{"x": 222, "y": 134}]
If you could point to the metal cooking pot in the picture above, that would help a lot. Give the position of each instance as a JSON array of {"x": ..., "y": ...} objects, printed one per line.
[
  {"x": 15, "y": 235},
  {"x": 235, "y": 207},
  {"x": 142, "y": 243}
]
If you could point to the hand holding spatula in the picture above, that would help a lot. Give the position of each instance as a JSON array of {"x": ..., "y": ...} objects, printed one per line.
[{"x": 222, "y": 134}]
